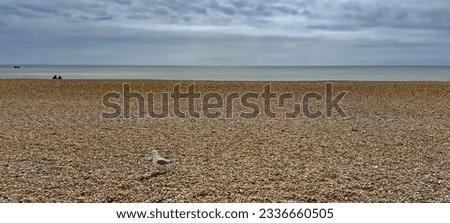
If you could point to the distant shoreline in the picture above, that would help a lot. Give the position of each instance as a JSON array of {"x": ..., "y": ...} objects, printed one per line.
[
  {"x": 206, "y": 80},
  {"x": 232, "y": 73}
]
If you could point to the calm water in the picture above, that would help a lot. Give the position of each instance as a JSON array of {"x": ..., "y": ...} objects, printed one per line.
[{"x": 435, "y": 73}]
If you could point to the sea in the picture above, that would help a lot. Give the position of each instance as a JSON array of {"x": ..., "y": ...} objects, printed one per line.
[{"x": 255, "y": 73}]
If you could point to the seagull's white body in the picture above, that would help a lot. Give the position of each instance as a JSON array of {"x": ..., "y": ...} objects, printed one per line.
[{"x": 158, "y": 161}]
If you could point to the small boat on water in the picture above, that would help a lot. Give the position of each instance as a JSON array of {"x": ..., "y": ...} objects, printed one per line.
[{"x": 17, "y": 67}]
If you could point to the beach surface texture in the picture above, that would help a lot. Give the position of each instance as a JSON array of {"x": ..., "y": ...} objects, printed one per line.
[{"x": 393, "y": 145}]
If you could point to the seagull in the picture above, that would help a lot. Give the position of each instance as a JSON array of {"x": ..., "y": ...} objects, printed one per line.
[{"x": 158, "y": 161}]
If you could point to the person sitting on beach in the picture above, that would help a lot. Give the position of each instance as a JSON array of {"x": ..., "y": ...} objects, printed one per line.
[
  {"x": 59, "y": 77},
  {"x": 55, "y": 77}
]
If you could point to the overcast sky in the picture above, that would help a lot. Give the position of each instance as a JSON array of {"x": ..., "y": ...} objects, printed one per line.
[{"x": 225, "y": 32}]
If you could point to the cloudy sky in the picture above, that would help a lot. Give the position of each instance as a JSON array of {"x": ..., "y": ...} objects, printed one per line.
[{"x": 225, "y": 32}]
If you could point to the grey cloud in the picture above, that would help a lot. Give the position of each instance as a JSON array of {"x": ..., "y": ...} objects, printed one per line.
[
  {"x": 238, "y": 4},
  {"x": 38, "y": 8},
  {"x": 123, "y": 2},
  {"x": 222, "y": 8},
  {"x": 254, "y": 32},
  {"x": 394, "y": 14}
]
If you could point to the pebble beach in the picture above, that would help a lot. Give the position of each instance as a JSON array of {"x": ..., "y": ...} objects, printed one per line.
[{"x": 392, "y": 146}]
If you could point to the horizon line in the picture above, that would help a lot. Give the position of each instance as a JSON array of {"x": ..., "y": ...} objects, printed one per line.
[{"x": 190, "y": 65}]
